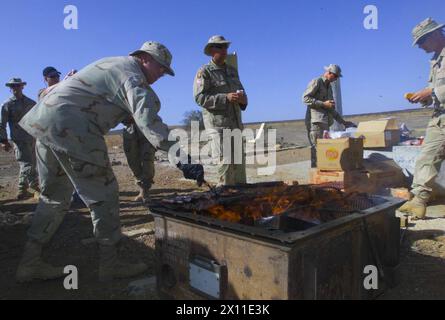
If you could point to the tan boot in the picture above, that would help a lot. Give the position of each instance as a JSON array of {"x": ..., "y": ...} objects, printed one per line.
[
  {"x": 416, "y": 208},
  {"x": 143, "y": 195},
  {"x": 32, "y": 267},
  {"x": 112, "y": 268},
  {"x": 23, "y": 194},
  {"x": 35, "y": 190}
]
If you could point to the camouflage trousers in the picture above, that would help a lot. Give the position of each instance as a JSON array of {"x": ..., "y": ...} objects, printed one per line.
[
  {"x": 26, "y": 157},
  {"x": 226, "y": 171},
  {"x": 140, "y": 157},
  {"x": 430, "y": 159},
  {"x": 96, "y": 186},
  {"x": 315, "y": 132}
]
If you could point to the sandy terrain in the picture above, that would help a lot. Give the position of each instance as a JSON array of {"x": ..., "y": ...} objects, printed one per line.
[{"x": 422, "y": 269}]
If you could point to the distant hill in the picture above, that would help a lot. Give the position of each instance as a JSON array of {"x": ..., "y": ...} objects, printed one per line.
[{"x": 415, "y": 119}]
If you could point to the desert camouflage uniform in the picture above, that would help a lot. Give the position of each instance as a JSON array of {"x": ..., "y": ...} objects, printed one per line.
[
  {"x": 12, "y": 112},
  {"x": 318, "y": 117},
  {"x": 140, "y": 155},
  {"x": 433, "y": 151},
  {"x": 69, "y": 124},
  {"x": 211, "y": 86}
]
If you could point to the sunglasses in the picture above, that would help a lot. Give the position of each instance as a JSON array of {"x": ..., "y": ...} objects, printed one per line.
[
  {"x": 421, "y": 41},
  {"x": 14, "y": 86},
  {"x": 220, "y": 46}
]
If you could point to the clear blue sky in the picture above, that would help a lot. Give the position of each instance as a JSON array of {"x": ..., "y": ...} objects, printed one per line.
[{"x": 281, "y": 46}]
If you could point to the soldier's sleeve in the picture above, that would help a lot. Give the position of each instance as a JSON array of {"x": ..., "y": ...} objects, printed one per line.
[
  {"x": 40, "y": 94},
  {"x": 202, "y": 96},
  {"x": 430, "y": 79},
  {"x": 4, "y": 123},
  {"x": 31, "y": 102},
  {"x": 309, "y": 95},
  {"x": 142, "y": 105},
  {"x": 439, "y": 86}
]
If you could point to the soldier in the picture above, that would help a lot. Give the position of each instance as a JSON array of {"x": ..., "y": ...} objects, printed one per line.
[
  {"x": 70, "y": 123},
  {"x": 218, "y": 90},
  {"x": 320, "y": 113},
  {"x": 12, "y": 112},
  {"x": 52, "y": 77},
  {"x": 429, "y": 36},
  {"x": 140, "y": 157}
]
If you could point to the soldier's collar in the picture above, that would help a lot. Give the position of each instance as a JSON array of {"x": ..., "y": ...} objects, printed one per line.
[
  {"x": 215, "y": 66},
  {"x": 14, "y": 98},
  {"x": 437, "y": 58},
  {"x": 325, "y": 80},
  {"x": 442, "y": 54}
]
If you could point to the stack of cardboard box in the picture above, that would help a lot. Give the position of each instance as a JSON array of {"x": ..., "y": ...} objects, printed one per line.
[{"x": 340, "y": 161}]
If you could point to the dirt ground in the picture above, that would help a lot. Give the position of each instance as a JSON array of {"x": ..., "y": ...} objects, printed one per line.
[{"x": 421, "y": 272}]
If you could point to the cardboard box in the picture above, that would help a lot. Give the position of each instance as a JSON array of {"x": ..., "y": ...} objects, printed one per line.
[
  {"x": 385, "y": 174},
  {"x": 348, "y": 181},
  {"x": 374, "y": 177},
  {"x": 340, "y": 154},
  {"x": 379, "y": 133}
]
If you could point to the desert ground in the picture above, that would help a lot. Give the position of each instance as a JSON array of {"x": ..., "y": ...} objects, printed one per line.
[{"x": 421, "y": 272}]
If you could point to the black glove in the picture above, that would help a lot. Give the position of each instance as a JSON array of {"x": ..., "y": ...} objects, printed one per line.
[
  {"x": 349, "y": 124},
  {"x": 192, "y": 171}
]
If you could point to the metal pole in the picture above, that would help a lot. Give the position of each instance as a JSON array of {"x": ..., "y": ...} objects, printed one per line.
[{"x": 336, "y": 90}]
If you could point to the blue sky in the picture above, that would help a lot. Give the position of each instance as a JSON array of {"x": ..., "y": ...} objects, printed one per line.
[{"x": 281, "y": 45}]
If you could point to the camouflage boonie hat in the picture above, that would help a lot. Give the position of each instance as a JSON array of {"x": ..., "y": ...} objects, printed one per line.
[
  {"x": 424, "y": 28},
  {"x": 335, "y": 69},
  {"x": 215, "y": 40},
  {"x": 159, "y": 52},
  {"x": 15, "y": 81}
]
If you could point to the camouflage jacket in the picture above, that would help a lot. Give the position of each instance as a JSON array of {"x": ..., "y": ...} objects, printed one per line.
[
  {"x": 318, "y": 91},
  {"x": 12, "y": 112},
  {"x": 211, "y": 86},
  {"x": 437, "y": 82},
  {"x": 76, "y": 114}
]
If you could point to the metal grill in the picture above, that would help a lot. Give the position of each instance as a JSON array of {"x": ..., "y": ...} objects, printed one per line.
[{"x": 329, "y": 205}]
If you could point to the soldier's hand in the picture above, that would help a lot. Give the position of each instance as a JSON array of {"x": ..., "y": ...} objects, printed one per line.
[
  {"x": 6, "y": 146},
  {"x": 242, "y": 98},
  {"x": 70, "y": 74},
  {"x": 233, "y": 97},
  {"x": 421, "y": 96},
  {"x": 330, "y": 104}
]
